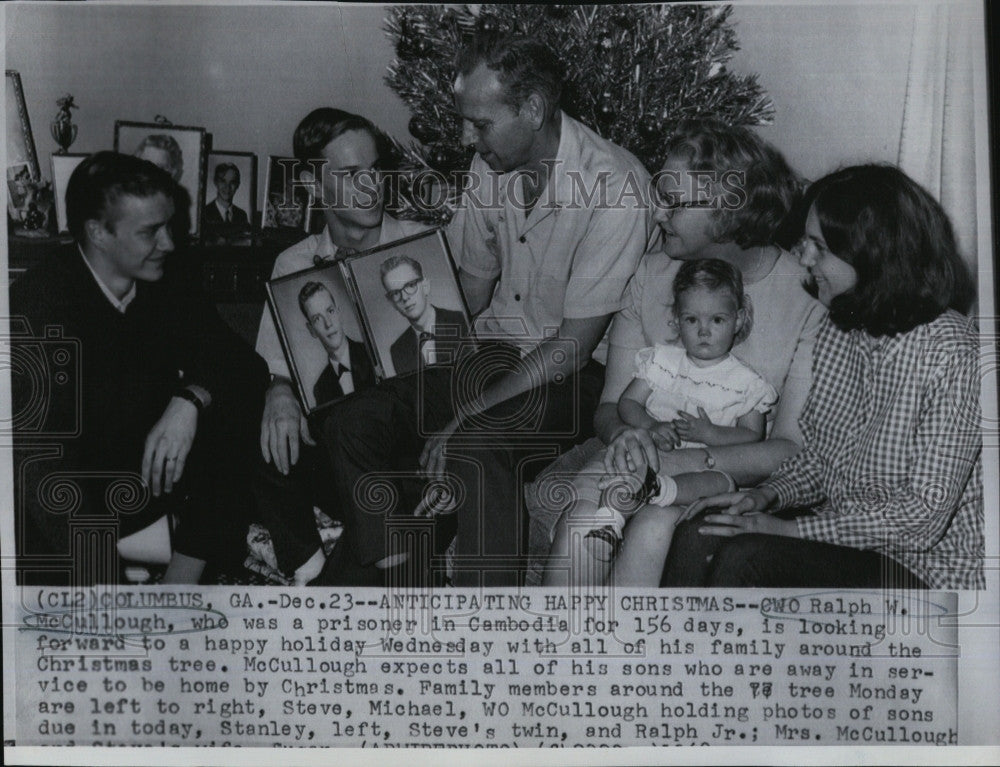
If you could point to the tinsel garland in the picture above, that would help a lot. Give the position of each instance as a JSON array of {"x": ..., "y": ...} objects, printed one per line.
[{"x": 632, "y": 73}]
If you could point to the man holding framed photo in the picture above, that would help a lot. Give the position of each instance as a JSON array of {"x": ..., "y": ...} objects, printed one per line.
[
  {"x": 545, "y": 272},
  {"x": 341, "y": 153}
]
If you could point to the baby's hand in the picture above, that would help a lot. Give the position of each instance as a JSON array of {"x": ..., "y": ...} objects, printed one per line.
[
  {"x": 665, "y": 435},
  {"x": 695, "y": 428}
]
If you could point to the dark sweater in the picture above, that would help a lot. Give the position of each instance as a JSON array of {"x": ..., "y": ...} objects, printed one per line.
[{"x": 125, "y": 370}]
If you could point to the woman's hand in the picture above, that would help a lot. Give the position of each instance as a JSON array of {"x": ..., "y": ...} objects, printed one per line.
[
  {"x": 665, "y": 435},
  {"x": 742, "y": 513},
  {"x": 754, "y": 522},
  {"x": 633, "y": 449},
  {"x": 756, "y": 499}
]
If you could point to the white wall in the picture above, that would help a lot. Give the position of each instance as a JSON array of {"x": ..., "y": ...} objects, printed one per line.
[
  {"x": 249, "y": 73},
  {"x": 836, "y": 74}
]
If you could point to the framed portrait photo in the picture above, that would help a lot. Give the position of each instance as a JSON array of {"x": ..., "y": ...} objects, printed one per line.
[
  {"x": 22, "y": 161},
  {"x": 180, "y": 150},
  {"x": 231, "y": 196},
  {"x": 63, "y": 166},
  {"x": 286, "y": 203},
  {"x": 411, "y": 303},
  {"x": 321, "y": 334}
]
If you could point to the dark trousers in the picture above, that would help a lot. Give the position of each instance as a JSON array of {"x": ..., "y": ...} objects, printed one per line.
[
  {"x": 375, "y": 439},
  {"x": 78, "y": 545},
  {"x": 773, "y": 561}
]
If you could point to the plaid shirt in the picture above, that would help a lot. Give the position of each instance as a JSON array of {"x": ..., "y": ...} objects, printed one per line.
[{"x": 893, "y": 449}]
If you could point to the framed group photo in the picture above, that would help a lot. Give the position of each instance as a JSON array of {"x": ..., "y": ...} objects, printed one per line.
[
  {"x": 231, "y": 196},
  {"x": 180, "y": 150},
  {"x": 318, "y": 326},
  {"x": 411, "y": 302}
]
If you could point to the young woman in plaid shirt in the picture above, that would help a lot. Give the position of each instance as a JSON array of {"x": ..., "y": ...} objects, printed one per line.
[{"x": 891, "y": 471}]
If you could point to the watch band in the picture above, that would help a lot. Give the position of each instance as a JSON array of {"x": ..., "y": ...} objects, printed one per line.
[
  {"x": 709, "y": 459},
  {"x": 191, "y": 397}
]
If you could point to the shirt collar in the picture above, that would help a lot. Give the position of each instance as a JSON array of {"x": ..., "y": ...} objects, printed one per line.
[
  {"x": 429, "y": 323},
  {"x": 343, "y": 358},
  {"x": 389, "y": 230},
  {"x": 119, "y": 305},
  {"x": 218, "y": 207}
]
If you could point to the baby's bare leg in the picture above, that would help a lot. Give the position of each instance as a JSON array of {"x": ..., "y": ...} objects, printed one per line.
[
  {"x": 644, "y": 550},
  {"x": 588, "y": 533}
]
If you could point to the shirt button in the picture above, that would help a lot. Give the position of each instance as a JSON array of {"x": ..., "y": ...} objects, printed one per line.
[
  {"x": 522, "y": 239},
  {"x": 517, "y": 296}
]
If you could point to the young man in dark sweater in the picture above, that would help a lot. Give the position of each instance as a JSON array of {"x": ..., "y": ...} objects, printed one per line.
[{"x": 161, "y": 421}]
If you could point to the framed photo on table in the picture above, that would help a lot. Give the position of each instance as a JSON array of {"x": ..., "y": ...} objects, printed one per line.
[
  {"x": 231, "y": 196},
  {"x": 286, "y": 203},
  {"x": 63, "y": 166},
  {"x": 22, "y": 161},
  {"x": 180, "y": 150}
]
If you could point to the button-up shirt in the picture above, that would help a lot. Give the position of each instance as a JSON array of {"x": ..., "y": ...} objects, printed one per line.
[
  {"x": 892, "y": 458},
  {"x": 573, "y": 255}
]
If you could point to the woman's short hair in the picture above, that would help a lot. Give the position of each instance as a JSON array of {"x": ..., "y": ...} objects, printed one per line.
[
  {"x": 900, "y": 242},
  {"x": 761, "y": 186}
]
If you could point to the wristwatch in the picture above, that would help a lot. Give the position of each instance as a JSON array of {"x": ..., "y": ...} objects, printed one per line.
[
  {"x": 191, "y": 397},
  {"x": 709, "y": 459}
]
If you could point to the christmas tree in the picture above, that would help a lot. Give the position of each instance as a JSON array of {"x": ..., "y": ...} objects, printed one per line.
[{"x": 632, "y": 73}]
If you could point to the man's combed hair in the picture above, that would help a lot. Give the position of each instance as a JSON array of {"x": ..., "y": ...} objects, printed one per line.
[
  {"x": 323, "y": 125},
  {"x": 396, "y": 261},
  {"x": 523, "y": 66},
  {"x": 309, "y": 290},
  {"x": 223, "y": 168},
  {"x": 900, "y": 242},
  {"x": 100, "y": 180},
  {"x": 763, "y": 182}
]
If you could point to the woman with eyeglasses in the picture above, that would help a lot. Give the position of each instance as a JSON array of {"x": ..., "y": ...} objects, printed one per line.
[
  {"x": 890, "y": 475},
  {"x": 723, "y": 193}
]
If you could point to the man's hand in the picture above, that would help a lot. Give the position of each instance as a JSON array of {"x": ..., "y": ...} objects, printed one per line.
[
  {"x": 695, "y": 428},
  {"x": 432, "y": 459},
  {"x": 282, "y": 426},
  {"x": 168, "y": 444}
]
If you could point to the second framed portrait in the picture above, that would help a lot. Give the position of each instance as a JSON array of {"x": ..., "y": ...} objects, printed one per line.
[
  {"x": 179, "y": 150},
  {"x": 411, "y": 303},
  {"x": 231, "y": 198}
]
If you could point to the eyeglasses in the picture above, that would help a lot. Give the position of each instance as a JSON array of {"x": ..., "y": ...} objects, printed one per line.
[
  {"x": 669, "y": 200},
  {"x": 407, "y": 290}
]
